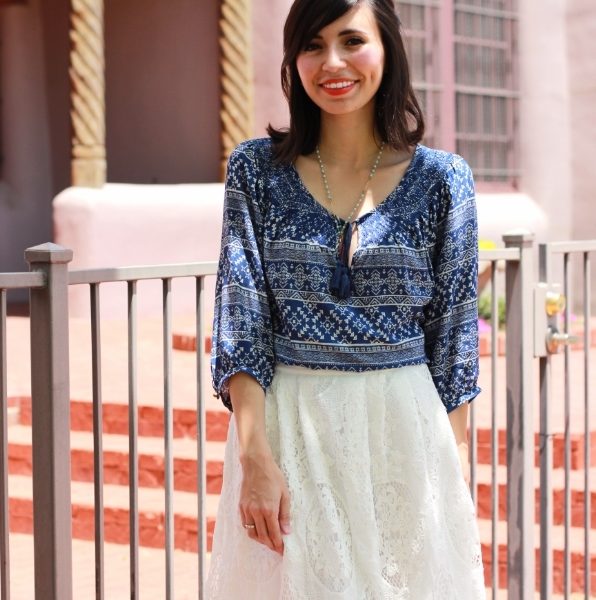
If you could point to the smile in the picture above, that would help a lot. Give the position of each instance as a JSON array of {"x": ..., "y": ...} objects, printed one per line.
[{"x": 338, "y": 87}]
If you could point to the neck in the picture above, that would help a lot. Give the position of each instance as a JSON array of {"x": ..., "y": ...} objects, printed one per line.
[{"x": 348, "y": 140}]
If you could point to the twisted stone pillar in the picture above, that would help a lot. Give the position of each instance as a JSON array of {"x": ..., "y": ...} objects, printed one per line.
[
  {"x": 88, "y": 165},
  {"x": 236, "y": 75}
]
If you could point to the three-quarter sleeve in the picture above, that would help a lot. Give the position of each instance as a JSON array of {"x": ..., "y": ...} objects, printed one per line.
[
  {"x": 451, "y": 317},
  {"x": 242, "y": 330}
]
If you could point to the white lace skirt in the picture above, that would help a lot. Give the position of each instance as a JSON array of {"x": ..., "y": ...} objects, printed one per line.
[{"x": 379, "y": 506}]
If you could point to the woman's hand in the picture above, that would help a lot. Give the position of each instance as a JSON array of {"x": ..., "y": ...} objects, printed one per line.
[
  {"x": 264, "y": 495},
  {"x": 264, "y": 500}
]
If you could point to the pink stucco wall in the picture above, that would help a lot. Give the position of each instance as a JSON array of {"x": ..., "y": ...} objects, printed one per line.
[
  {"x": 581, "y": 27},
  {"x": 544, "y": 112},
  {"x": 270, "y": 105}
]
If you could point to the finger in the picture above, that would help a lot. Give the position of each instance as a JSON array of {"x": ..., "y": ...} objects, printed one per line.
[
  {"x": 272, "y": 520},
  {"x": 284, "y": 513},
  {"x": 245, "y": 519},
  {"x": 261, "y": 531}
]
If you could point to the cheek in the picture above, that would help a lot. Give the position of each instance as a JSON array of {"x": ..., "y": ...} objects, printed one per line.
[
  {"x": 305, "y": 68},
  {"x": 371, "y": 59}
]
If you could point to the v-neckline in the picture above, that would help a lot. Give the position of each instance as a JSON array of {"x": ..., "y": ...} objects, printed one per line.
[{"x": 394, "y": 192}]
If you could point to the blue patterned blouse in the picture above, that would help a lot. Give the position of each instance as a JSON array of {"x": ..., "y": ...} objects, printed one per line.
[{"x": 414, "y": 276}]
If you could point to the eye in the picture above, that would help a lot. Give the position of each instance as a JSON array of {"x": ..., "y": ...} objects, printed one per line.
[
  {"x": 354, "y": 41},
  {"x": 310, "y": 47}
]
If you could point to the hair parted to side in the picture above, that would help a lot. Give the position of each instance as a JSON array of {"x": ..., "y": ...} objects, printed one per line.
[{"x": 398, "y": 116}]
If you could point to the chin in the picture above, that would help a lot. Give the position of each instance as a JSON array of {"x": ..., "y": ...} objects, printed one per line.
[{"x": 338, "y": 109}]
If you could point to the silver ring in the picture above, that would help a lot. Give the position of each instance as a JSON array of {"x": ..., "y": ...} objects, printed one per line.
[{"x": 248, "y": 525}]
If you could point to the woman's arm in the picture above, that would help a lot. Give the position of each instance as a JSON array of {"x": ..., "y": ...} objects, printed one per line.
[
  {"x": 248, "y": 402},
  {"x": 458, "y": 418},
  {"x": 264, "y": 496},
  {"x": 242, "y": 326}
]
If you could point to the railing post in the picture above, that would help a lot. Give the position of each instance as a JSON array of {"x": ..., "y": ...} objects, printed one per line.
[
  {"x": 50, "y": 404},
  {"x": 545, "y": 448},
  {"x": 519, "y": 283}
]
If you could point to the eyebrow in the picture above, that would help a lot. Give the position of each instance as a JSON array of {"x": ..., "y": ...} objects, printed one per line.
[{"x": 343, "y": 32}]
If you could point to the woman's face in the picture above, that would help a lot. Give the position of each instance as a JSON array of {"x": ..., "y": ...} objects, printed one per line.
[{"x": 341, "y": 68}]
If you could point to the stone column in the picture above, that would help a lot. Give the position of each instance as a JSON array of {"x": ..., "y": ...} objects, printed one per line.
[
  {"x": 87, "y": 66},
  {"x": 237, "y": 121}
]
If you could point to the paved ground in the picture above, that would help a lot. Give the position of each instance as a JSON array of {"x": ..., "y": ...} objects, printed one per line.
[
  {"x": 117, "y": 586},
  {"x": 114, "y": 371}
]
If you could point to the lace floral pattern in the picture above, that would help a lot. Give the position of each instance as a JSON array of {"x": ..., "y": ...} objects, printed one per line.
[{"x": 379, "y": 507}]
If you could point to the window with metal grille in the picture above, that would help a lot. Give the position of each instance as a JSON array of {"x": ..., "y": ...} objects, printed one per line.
[{"x": 463, "y": 55}]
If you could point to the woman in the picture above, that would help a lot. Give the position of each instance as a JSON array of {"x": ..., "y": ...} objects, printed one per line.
[{"x": 345, "y": 334}]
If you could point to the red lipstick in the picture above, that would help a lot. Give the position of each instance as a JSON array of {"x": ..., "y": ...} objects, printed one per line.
[{"x": 338, "y": 91}]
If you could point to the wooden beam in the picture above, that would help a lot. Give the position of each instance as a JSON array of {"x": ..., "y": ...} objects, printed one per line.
[
  {"x": 237, "y": 87},
  {"x": 87, "y": 94}
]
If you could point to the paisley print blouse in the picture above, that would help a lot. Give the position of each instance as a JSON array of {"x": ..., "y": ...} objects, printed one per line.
[{"x": 414, "y": 276}]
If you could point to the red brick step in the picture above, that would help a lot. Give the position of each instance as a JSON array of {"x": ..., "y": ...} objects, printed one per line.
[
  {"x": 116, "y": 514},
  {"x": 576, "y": 552},
  {"x": 115, "y": 452},
  {"x": 150, "y": 419},
  {"x": 576, "y": 481},
  {"x": 577, "y": 449}
]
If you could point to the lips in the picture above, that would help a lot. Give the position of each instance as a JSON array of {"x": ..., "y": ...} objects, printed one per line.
[{"x": 338, "y": 87}]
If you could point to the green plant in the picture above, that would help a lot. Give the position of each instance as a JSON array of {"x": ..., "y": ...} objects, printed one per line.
[{"x": 484, "y": 309}]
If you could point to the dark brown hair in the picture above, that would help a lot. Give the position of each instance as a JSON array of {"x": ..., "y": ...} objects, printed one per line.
[{"x": 398, "y": 117}]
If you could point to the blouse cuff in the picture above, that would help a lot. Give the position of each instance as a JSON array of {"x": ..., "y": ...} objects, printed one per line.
[
  {"x": 463, "y": 399},
  {"x": 222, "y": 388}
]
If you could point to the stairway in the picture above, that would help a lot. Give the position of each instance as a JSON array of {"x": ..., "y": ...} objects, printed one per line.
[
  {"x": 116, "y": 462},
  {"x": 151, "y": 477}
]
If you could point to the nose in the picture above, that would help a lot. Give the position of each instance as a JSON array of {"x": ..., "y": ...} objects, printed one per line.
[{"x": 333, "y": 60}]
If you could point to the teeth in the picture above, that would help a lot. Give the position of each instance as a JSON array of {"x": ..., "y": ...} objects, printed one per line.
[{"x": 335, "y": 86}]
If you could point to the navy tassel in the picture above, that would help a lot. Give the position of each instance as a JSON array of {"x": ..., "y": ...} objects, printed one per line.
[{"x": 341, "y": 283}]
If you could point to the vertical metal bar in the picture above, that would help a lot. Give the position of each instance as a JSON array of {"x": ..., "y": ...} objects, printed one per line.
[
  {"x": 520, "y": 434},
  {"x": 4, "y": 510},
  {"x": 494, "y": 463},
  {"x": 97, "y": 440},
  {"x": 50, "y": 405},
  {"x": 587, "y": 432},
  {"x": 567, "y": 514},
  {"x": 546, "y": 455},
  {"x": 168, "y": 435},
  {"x": 201, "y": 436},
  {"x": 133, "y": 471}
]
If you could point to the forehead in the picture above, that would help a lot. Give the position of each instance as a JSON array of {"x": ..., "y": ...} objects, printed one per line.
[{"x": 360, "y": 18}]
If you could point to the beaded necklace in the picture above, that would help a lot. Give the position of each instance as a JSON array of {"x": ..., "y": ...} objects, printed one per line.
[{"x": 341, "y": 282}]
